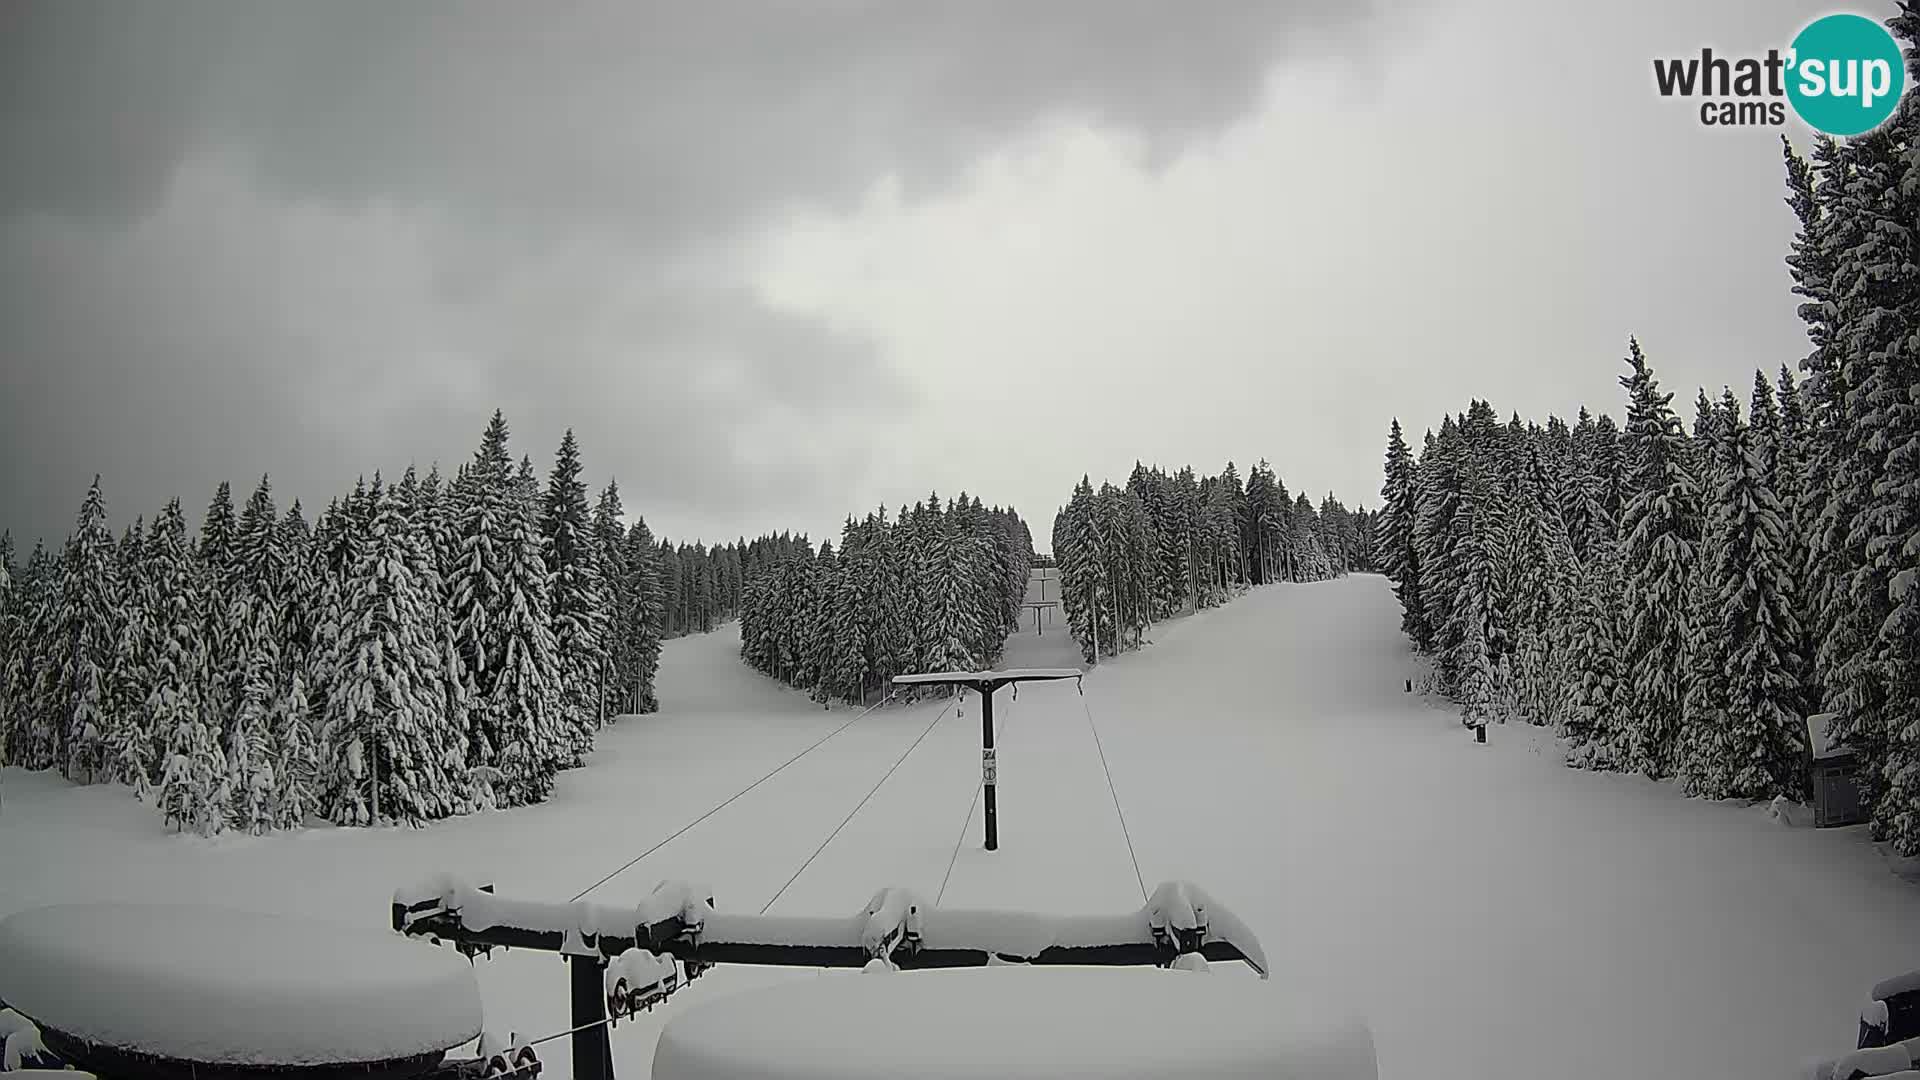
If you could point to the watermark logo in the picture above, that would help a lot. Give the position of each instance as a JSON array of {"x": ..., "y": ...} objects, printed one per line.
[{"x": 1843, "y": 74}]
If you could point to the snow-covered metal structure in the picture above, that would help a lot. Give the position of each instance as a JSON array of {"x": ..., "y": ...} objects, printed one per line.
[
  {"x": 159, "y": 991},
  {"x": 986, "y": 683},
  {"x": 621, "y": 958}
]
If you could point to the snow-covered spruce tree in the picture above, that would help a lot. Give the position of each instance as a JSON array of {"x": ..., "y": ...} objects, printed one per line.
[
  {"x": 193, "y": 780},
  {"x": 302, "y": 591},
  {"x": 331, "y": 556},
  {"x": 484, "y": 511},
  {"x": 295, "y": 758},
  {"x": 383, "y": 735},
  {"x": 1478, "y": 692},
  {"x": 31, "y": 736},
  {"x": 223, "y": 652},
  {"x": 250, "y": 747},
  {"x": 1398, "y": 557},
  {"x": 1835, "y": 217},
  {"x": 1440, "y": 493},
  {"x": 170, "y": 601},
  {"x": 851, "y": 611},
  {"x": 1699, "y": 757},
  {"x": 1476, "y": 635},
  {"x": 131, "y": 750},
  {"x": 1763, "y": 741},
  {"x": 575, "y": 605},
  {"x": 10, "y": 642},
  {"x": 615, "y": 595},
  {"x": 644, "y": 619},
  {"x": 85, "y": 624},
  {"x": 524, "y": 702},
  {"x": 193, "y": 789},
  {"x": 262, "y": 565},
  {"x": 893, "y": 610},
  {"x": 257, "y": 622},
  {"x": 1885, "y": 588},
  {"x": 1595, "y": 727},
  {"x": 1533, "y": 570},
  {"x": 1077, "y": 544},
  {"x": 828, "y": 579},
  {"x": 1661, "y": 529}
]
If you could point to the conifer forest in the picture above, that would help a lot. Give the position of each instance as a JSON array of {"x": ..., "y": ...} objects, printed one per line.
[
  {"x": 1676, "y": 598},
  {"x": 1170, "y": 544},
  {"x": 422, "y": 647}
]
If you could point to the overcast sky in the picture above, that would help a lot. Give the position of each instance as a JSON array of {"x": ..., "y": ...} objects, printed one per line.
[{"x": 777, "y": 261}]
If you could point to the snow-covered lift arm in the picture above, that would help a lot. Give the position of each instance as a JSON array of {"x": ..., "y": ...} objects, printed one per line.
[{"x": 679, "y": 920}]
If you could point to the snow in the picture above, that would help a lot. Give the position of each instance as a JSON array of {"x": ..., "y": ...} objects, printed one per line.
[
  {"x": 1897, "y": 984},
  {"x": 20, "y": 1042},
  {"x": 1010, "y": 1023},
  {"x": 1874, "y": 1061},
  {"x": 676, "y": 899},
  {"x": 1817, "y": 725},
  {"x": 888, "y": 920},
  {"x": 1489, "y": 909},
  {"x": 213, "y": 985}
]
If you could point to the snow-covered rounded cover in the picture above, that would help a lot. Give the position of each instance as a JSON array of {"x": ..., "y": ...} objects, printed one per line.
[
  {"x": 1009, "y": 1023},
  {"x": 216, "y": 986}
]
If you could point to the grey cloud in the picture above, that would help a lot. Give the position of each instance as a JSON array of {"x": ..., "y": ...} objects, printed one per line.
[{"x": 320, "y": 239}]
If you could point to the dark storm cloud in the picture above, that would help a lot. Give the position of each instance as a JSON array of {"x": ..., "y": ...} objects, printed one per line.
[{"x": 318, "y": 239}]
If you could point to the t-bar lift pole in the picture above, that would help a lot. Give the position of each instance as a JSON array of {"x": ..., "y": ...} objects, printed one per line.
[{"x": 985, "y": 683}]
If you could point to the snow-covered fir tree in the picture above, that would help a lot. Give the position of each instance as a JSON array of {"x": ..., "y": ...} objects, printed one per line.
[
  {"x": 1763, "y": 740},
  {"x": 385, "y": 739},
  {"x": 85, "y": 625},
  {"x": 1661, "y": 531},
  {"x": 575, "y": 607}
]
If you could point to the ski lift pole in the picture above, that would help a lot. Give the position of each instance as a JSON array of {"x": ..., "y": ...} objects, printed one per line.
[
  {"x": 985, "y": 683},
  {"x": 988, "y": 766}
]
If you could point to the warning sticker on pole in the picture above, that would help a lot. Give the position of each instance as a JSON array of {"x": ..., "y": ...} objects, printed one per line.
[{"x": 987, "y": 768}]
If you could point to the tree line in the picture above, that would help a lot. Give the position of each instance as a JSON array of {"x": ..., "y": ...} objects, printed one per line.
[
  {"x": 937, "y": 588},
  {"x": 423, "y": 648},
  {"x": 1677, "y": 602},
  {"x": 1171, "y": 543}
]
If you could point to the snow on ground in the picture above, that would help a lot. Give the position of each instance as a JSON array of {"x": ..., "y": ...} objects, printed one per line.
[{"x": 1488, "y": 910}]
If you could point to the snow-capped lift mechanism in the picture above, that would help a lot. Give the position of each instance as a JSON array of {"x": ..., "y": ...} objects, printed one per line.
[
  {"x": 622, "y": 960},
  {"x": 985, "y": 683}
]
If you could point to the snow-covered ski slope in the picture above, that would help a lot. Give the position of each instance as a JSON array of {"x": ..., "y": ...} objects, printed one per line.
[{"x": 1492, "y": 913}]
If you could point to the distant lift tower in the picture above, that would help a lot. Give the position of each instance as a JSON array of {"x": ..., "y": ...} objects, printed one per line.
[{"x": 985, "y": 683}]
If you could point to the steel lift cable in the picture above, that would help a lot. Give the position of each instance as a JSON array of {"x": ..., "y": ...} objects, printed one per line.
[
  {"x": 1111, "y": 790},
  {"x": 731, "y": 798},
  {"x": 863, "y": 802}
]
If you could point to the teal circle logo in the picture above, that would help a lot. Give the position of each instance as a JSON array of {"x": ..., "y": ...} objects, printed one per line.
[{"x": 1846, "y": 74}]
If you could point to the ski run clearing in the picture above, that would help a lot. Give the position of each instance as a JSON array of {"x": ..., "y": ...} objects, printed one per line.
[{"x": 1492, "y": 914}]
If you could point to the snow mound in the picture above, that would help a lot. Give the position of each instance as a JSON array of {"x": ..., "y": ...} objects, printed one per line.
[
  {"x": 215, "y": 986},
  {"x": 972, "y": 1024}
]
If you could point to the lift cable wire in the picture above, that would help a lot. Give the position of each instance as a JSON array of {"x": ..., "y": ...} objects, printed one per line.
[
  {"x": 731, "y": 798},
  {"x": 967, "y": 821},
  {"x": 569, "y": 1031},
  {"x": 941, "y": 715},
  {"x": 1111, "y": 790}
]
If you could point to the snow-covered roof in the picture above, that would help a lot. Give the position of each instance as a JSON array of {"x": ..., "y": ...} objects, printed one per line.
[
  {"x": 1010, "y": 1023},
  {"x": 1818, "y": 727},
  {"x": 215, "y": 986},
  {"x": 1010, "y": 675}
]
